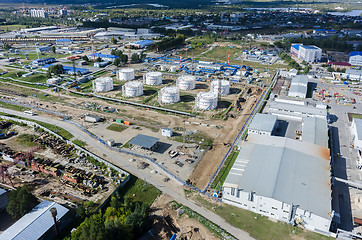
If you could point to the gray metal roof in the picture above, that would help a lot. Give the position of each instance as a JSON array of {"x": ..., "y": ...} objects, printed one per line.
[
  {"x": 287, "y": 170},
  {"x": 2, "y": 191},
  {"x": 34, "y": 224},
  {"x": 299, "y": 89},
  {"x": 358, "y": 123},
  {"x": 315, "y": 130},
  {"x": 144, "y": 141},
  {"x": 263, "y": 122},
  {"x": 287, "y": 108},
  {"x": 300, "y": 80}
]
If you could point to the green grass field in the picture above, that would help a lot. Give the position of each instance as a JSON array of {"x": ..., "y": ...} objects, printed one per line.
[
  {"x": 224, "y": 171},
  {"x": 13, "y": 107},
  {"x": 12, "y": 27},
  {"x": 259, "y": 227},
  {"x": 79, "y": 142},
  {"x": 116, "y": 127}
]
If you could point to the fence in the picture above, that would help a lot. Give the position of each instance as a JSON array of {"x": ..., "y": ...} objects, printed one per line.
[{"x": 241, "y": 132}]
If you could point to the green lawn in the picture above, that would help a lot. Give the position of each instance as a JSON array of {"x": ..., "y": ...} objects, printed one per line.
[
  {"x": 12, "y": 27},
  {"x": 13, "y": 107},
  {"x": 223, "y": 173},
  {"x": 79, "y": 142},
  {"x": 35, "y": 78},
  {"x": 259, "y": 227},
  {"x": 62, "y": 132},
  {"x": 27, "y": 140},
  {"x": 139, "y": 191},
  {"x": 116, "y": 127}
]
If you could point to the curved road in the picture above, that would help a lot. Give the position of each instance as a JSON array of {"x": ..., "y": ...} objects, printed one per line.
[{"x": 171, "y": 188}]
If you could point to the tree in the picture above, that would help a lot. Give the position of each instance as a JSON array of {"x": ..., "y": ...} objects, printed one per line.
[
  {"x": 137, "y": 220},
  {"x": 56, "y": 69},
  {"x": 99, "y": 59},
  {"x": 114, "y": 41},
  {"x": 53, "y": 49},
  {"x": 330, "y": 69},
  {"x": 135, "y": 58},
  {"x": 21, "y": 201},
  {"x": 6, "y": 46},
  {"x": 85, "y": 58},
  {"x": 117, "y": 62}
]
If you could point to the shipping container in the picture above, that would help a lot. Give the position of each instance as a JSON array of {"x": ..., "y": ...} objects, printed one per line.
[{"x": 127, "y": 123}]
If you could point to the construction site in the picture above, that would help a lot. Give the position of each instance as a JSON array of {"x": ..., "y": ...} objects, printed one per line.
[{"x": 53, "y": 168}]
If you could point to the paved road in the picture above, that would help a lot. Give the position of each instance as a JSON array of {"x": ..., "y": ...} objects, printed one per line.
[{"x": 172, "y": 188}]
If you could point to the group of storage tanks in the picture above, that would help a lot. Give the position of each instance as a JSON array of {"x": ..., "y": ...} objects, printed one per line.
[{"x": 167, "y": 95}]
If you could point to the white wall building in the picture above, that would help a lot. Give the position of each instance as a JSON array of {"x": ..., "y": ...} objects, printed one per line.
[
  {"x": 289, "y": 74},
  {"x": 306, "y": 53},
  {"x": 355, "y": 58},
  {"x": 39, "y": 13},
  {"x": 166, "y": 132},
  {"x": 262, "y": 124},
  {"x": 282, "y": 178},
  {"x": 298, "y": 87},
  {"x": 296, "y": 111}
]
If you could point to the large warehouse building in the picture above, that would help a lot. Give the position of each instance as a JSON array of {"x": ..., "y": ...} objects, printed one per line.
[
  {"x": 306, "y": 53},
  {"x": 355, "y": 58},
  {"x": 263, "y": 124},
  {"x": 36, "y": 224},
  {"x": 282, "y": 178},
  {"x": 296, "y": 111},
  {"x": 298, "y": 87}
]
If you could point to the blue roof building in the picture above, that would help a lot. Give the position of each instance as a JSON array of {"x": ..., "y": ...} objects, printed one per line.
[
  {"x": 355, "y": 58},
  {"x": 43, "y": 61},
  {"x": 141, "y": 43},
  {"x": 104, "y": 57}
]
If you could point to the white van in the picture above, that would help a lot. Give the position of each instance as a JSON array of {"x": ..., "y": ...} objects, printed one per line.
[{"x": 29, "y": 113}]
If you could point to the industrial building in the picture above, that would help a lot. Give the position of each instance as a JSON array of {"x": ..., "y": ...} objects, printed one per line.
[
  {"x": 37, "y": 224},
  {"x": 284, "y": 179},
  {"x": 166, "y": 132},
  {"x": 355, "y": 58},
  {"x": 145, "y": 142},
  {"x": 69, "y": 70},
  {"x": 43, "y": 61},
  {"x": 63, "y": 42},
  {"x": 356, "y": 129},
  {"x": 298, "y": 87},
  {"x": 289, "y": 74},
  {"x": 92, "y": 118},
  {"x": 4, "y": 200},
  {"x": 306, "y": 53},
  {"x": 263, "y": 124},
  {"x": 353, "y": 74},
  {"x": 141, "y": 43},
  {"x": 104, "y": 57},
  {"x": 296, "y": 111},
  {"x": 102, "y": 84},
  {"x": 315, "y": 130}
]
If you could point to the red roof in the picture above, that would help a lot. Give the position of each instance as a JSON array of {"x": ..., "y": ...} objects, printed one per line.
[{"x": 339, "y": 63}]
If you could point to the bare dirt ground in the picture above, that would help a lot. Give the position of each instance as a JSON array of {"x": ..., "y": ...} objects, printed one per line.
[
  {"x": 202, "y": 173},
  {"x": 167, "y": 222}
]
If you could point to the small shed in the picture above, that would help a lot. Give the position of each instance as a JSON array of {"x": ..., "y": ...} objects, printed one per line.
[
  {"x": 92, "y": 118},
  {"x": 146, "y": 142},
  {"x": 167, "y": 132}
]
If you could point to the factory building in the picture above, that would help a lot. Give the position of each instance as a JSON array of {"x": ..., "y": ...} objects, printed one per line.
[
  {"x": 306, "y": 53},
  {"x": 104, "y": 57},
  {"x": 353, "y": 74},
  {"x": 43, "y": 61},
  {"x": 355, "y": 58},
  {"x": 63, "y": 42},
  {"x": 298, "y": 87},
  {"x": 38, "y": 223},
  {"x": 141, "y": 44},
  {"x": 284, "y": 179},
  {"x": 263, "y": 124},
  {"x": 4, "y": 200},
  {"x": 296, "y": 111}
]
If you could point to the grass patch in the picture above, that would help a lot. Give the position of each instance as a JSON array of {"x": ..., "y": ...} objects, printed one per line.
[
  {"x": 116, "y": 127},
  {"x": 62, "y": 132},
  {"x": 80, "y": 143},
  {"x": 35, "y": 78},
  {"x": 223, "y": 173},
  {"x": 260, "y": 227},
  {"x": 139, "y": 191},
  {"x": 12, "y": 27},
  {"x": 13, "y": 107},
  {"x": 27, "y": 140}
]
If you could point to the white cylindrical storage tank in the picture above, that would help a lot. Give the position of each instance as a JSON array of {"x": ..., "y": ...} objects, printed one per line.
[
  {"x": 153, "y": 78},
  {"x": 186, "y": 82},
  {"x": 125, "y": 74},
  {"x": 168, "y": 95},
  {"x": 163, "y": 68},
  {"x": 221, "y": 87},
  {"x": 102, "y": 84},
  {"x": 173, "y": 69},
  {"x": 132, "y": 89},
  {"x": 206, "y": 101}
]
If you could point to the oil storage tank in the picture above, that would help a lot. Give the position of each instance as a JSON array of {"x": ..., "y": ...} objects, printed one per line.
[
  {"x": 206, "y": 101},
  {"x": 169, "y": 95},
  {"x": 132, "y": 89},
  {"x": 152, "y": 78},
  {"x": 186, "y": 82},
  {"x": 125, "y": 74},
  {"x": 221, "y": 87},
  {"x": 102, "y": 84}
]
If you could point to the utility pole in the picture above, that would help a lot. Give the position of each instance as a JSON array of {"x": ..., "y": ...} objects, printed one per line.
[
  {"x": 53, "y": 213},
  {"x": 184, "y": 135}
]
